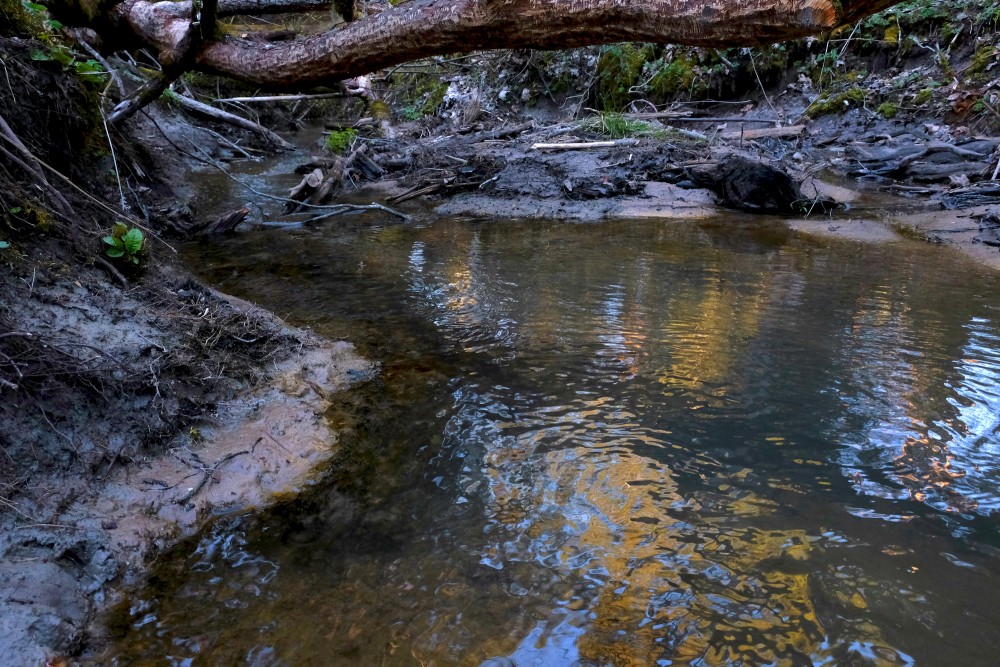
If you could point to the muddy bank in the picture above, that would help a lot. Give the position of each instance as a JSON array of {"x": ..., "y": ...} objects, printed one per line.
[
  {"x": 72, "y": 537},
  {"x": 135, "y": 403},
  {"x": 861, "y": 179}
]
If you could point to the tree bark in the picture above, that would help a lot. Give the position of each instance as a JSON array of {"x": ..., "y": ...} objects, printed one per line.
[{"x": 423, "y": 28}]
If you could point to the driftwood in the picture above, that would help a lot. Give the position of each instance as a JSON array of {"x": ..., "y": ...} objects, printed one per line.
[
  {"x": 790, "y": 131},
  {"x": 501, "y": 133},
  {"x": 472, "y": 174},
  {"x": 222, "y": 224},
  {"x": 327, "y": 177},
  {"x": 416, "y": 191},
  {"x": 489, "y": 135},
  {"x": 280, "y": 98},
  {"x": 203, "y": 109},
  {"x": 944, "y": 172},
  {"x": 901, "y": 167},
  {"x": 577, "y": 146},
  {"x": 979, "y": 194}
]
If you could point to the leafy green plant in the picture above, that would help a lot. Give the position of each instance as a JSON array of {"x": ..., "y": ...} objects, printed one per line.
[{"x": 125, "y": 244}]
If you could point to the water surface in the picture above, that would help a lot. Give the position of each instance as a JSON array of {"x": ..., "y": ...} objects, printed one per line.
[{"x": 616, "y": 444}]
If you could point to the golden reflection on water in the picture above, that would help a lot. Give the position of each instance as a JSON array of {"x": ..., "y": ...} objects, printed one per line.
[{"x": 650, "y": 451}]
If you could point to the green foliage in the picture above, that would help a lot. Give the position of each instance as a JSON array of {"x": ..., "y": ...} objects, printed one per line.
[
  {"x": 677, "y": 76},
  {"x": 52, "y": 49},
  {"x": 340, "y": 140},
  {"x": 617, "y": 126},
  {"x": 888, "y": 109},
  {"x": 434, "y": 98},
  {"x": 125, "y": 244},
  {"x": 982, "y": 60},
  {"x": 619, "y": 73},
  {"x": 924, "y": 96},
  {"x": 836, "y": 102},
  {"x": 411, "y": 112}
]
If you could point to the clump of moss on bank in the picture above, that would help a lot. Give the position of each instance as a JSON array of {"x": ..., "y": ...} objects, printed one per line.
[{"x": 836, "y": 102}]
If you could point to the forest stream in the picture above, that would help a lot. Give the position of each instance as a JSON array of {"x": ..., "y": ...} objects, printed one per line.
[{"x": 621, "y": 443}]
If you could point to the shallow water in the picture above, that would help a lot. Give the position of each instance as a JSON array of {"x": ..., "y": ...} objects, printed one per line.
[{"x": 614, "y": 444}]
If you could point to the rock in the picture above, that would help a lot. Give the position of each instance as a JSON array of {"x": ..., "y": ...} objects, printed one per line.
[{"x": 989, "y": 231}]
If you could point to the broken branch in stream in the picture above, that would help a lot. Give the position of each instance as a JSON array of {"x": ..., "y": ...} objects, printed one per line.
[
  {"x": 203, "y": 109},
  {"x": 331, "y": 209}
]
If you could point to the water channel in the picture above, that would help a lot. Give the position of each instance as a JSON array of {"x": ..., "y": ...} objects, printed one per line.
[{"x": 626, "y": 443}]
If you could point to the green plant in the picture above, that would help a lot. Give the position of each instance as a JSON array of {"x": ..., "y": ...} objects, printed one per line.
[
  {"x": 125, "y": 244},
  {"x": 340, "y": 140},
  {"x": 888, "y": 110},
  {"x": 617, "y": 126},
  {"x": 836, "y": 103},
  {"x": 923, "y": 96},
  {"x": 411, "y": 112},
  {"x": 619, "y": 69}
]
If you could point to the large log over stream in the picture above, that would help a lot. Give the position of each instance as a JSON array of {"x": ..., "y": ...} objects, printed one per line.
[{"x": 423, "y": 28}]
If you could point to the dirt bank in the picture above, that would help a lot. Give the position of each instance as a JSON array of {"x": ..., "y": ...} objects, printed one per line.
[{"x": 136, "y": 404}]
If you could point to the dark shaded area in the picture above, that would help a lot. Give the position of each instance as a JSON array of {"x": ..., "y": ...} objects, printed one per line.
[{"x": 750, "y": 186}]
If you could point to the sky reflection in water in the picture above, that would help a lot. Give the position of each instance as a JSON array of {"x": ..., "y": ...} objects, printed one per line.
[{"x": 617, "y": 444}]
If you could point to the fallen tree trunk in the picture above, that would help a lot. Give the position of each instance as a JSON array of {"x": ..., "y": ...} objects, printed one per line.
[{"x": 424, "y": 28}]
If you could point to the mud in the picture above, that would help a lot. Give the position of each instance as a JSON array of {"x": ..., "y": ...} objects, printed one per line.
[{"x": 85, "y": 527}]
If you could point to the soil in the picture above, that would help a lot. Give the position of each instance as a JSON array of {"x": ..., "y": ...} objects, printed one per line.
[{"x": 137, "y": 403}]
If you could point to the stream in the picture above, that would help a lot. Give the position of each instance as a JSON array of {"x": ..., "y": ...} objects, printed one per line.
[{"x": 624, "y": 443}]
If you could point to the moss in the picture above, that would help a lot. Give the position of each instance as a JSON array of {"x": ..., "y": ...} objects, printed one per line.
[
  {"x": 888, "y": 110},
  {"x": 14, "y": 20},
  {"x": 434, "y": 97},
  {"x": 984, "y": 56},
  {"x": 924, "y": 96},
  {"x": 379, "y": 110},
  {"x": 340, "y": 141},
  {"x": 678, "y": 76},
  {"x": 891, "y": 35},
  {"x": 619, "y": 70},
  {"x": 836, "y": 103}
]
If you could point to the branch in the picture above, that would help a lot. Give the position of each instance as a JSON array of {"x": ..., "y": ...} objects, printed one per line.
[
  {"x": 203, "y": 109},
  {"x": 423, "y": 28}
]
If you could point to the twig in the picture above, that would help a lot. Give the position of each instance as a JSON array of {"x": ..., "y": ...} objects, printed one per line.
[
  {"x": 759, "y": 82},
  {"x": 282, "y": 98},
  {"x": 335, "y": 209},
  {"x": 95, "y": 54},
  {"x": 207, "y": 474},
  {"x": 115, "y": 273},
  {"x": 350, "y": 208},
  {"x": 114, "y": 160}
]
